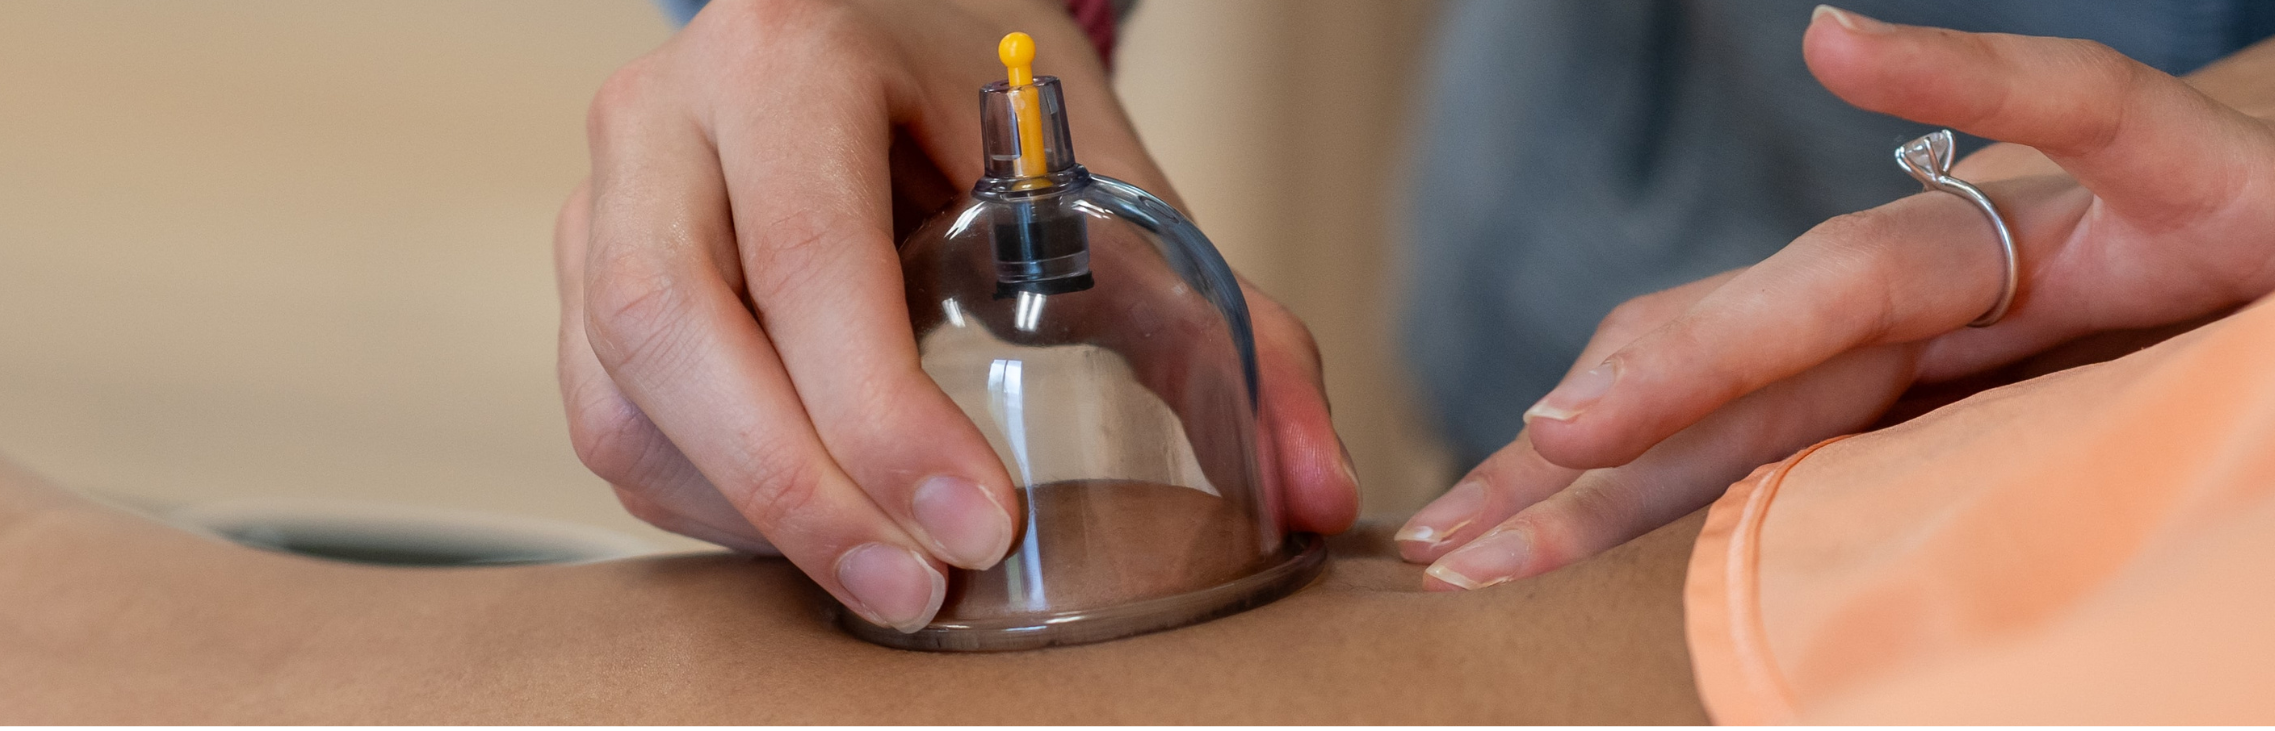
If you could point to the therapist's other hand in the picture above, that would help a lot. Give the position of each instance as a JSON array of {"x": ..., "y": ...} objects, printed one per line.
[
  {"x": 2137, "y": 200},
  {"x": 736, "y": 356}
]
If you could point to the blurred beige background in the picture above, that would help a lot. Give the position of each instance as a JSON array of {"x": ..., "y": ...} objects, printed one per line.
[{"x": 270, "y": 248}]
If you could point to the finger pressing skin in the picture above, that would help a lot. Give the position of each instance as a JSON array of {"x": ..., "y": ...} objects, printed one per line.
[
  {"x": 676, "y": 337},
  {"x": 653, "y": 480},
  {"x": 2156, "y": 155},
  {"x": 1606, "y": 507},
  {"x": 1516, "y": 477},
  {"x": 1510, "y": 481},
  {"x": 1902, "y": 272},
  {"x": 1636, "y": 317},
  {"x": 2168, "y": 232},
  {"x": 819, "y": 263},
  {"x": 1315, "y": 480},
  {"x": 1307, "y": 478}
]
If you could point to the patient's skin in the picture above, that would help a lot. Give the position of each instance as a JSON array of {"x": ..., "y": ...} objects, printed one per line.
[{"x": 107, "y": 617}]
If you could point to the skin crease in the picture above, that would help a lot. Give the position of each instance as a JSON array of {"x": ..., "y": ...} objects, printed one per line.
[
  {"x": 2136, "y": 216},
  {"x": 136, "y": 622},
  {"x": 735, "y": 353}
]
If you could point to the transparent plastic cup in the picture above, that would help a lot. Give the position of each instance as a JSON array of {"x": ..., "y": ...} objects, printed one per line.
[{"x": 1103, "y": 347}]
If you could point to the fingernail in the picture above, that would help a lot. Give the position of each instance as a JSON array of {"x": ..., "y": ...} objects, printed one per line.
[
  {"x": 1849, "y": 20},
  {"x": 962, "y": 522},
  {"x": 1576, "y": 395},
  {"x": 1445, "y": 515},
  {"x": 1491, "y": 559},
  {"x": 892, "y": 585}
]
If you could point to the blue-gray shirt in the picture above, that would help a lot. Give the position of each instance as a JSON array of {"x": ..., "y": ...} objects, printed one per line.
[{"x": 1577, "y": 153}]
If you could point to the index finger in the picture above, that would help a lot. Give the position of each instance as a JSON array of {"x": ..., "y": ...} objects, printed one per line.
[
  {"x": 1921, "y": 266},
  {"x": 2151, "y": 145},
  {"x": 1902, "y": 272}
]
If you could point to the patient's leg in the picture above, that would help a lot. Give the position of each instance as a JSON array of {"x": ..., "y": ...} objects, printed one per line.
[{"x": 107, "y": 617}]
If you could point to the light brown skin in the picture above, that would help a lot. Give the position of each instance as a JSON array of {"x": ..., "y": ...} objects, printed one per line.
[
  {"x": 2140, "y": 203},
  {"x": 735, "y": 357},
  {"x": 735, "y": 350},
  {"x": 107, "y": 617}
]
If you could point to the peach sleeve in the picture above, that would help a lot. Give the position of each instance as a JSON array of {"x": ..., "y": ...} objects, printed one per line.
[{"x": 2097, "y": 545}]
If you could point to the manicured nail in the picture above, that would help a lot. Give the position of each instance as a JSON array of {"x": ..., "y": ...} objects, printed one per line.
[
  {"x": 1350, "y": 469},
  {"x": 1850, "y": 20},
  {"x": 892, "y": 585},
  {"x": 1576, "y": 395},
  {"x": 962, "y": 521},
  {"x": 1445, "y": 515},
  {"x": 1491, "y": 559}
]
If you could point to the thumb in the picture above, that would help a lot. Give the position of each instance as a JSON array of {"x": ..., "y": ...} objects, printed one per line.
[{"x": 2150, "y": 146}]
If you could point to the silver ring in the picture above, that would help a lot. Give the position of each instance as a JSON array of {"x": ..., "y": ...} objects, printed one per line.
[{"x": 1928, "y": 159}]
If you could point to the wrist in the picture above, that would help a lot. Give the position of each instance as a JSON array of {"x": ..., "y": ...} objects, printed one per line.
[
  {"x": 1100, "y": 21},
  {"x": 1097, "y": 22}
]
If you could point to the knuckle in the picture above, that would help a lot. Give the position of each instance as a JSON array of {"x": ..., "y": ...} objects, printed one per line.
[
  {"x": 1301, "y": 338},
  {"x": 890, "y": 398},
  {"x": 2118, "y": 80},
  {"x": 1273, "y": 320},
  {"x": 1549, "y": 534},
  {"x": 2105, "y": 81},
  {"x": 1576, "y": 525},
  {"x": 612, "y": 441},
  {"x": 1606, "y": 508},
  {"x": 648, "y": 511},
  {"x": 787, "y": 484},
  {"x": 2094, "y": 84},
  {"x": 771, "y": 16},
  {"x": 808, "y": 26},
  {"x": 1632, "y": 318},
  {"x": 634, "y": 313},
  {"x": 1853, "y": 229},
  {"x": 1860, "y": 254},
  {"x": 2098, "y": 58},
  {"x": 798, "y": 247},
  {"x": 653, "y": 512},
  {"x": 575, "y": 214},
  {"x": 1855, "y": 247},
  {"x": 571, "y": 226},
  {"x": 626, "y": 91}
]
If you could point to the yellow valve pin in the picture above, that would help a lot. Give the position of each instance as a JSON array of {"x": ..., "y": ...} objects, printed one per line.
[{"x": 1017, "y": 51}]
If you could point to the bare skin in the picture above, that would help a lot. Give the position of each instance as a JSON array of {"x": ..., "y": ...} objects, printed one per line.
[
  {"x": 107, "y": 617},
  {"x": 2140, "y": 205},
  {"x": 736, "y": 356}
]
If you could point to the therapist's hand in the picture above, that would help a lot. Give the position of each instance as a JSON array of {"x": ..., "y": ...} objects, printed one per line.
[
  {"x": 736, "y": 356},
  {"x": 2138, "y": 201}
]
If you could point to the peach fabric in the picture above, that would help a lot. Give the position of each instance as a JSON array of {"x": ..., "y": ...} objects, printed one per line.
[{"x": 2092, "y": 546}]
